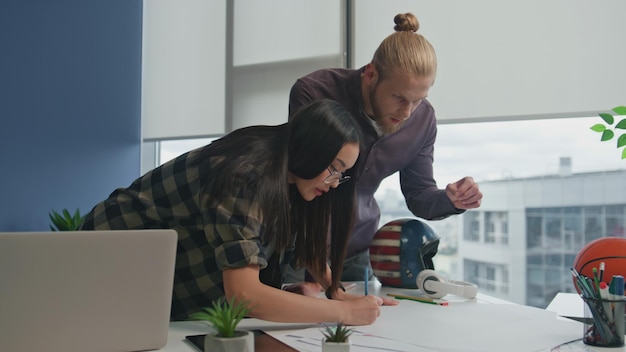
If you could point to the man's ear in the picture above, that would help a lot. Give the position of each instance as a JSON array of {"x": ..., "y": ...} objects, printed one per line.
[{"x": 370, "y": 74}]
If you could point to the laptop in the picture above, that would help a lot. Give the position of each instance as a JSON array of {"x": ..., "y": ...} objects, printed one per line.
[{"x": 86, "y": 291}]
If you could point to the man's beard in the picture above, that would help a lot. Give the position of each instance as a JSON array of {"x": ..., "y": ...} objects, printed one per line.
[{"x": 378, "y": 115}]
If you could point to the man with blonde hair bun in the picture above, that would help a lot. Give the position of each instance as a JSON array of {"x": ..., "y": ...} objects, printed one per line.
[{"x": 387, "y": 98}]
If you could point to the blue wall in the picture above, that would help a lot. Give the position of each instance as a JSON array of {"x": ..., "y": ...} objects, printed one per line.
[{"x": 70, "y": 100}]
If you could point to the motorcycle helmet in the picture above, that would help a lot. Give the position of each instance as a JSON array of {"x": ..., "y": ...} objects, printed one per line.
[{"x": 401, "y": 249}]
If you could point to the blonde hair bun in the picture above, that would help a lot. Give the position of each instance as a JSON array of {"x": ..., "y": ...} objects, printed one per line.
[{"x": 406, "y": 22}]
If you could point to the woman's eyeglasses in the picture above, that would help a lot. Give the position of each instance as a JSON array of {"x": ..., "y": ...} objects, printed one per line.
[{"x": 335, "y": 176}]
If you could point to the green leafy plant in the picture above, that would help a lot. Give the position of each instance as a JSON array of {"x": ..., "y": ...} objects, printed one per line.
[
  {"x": 339, "y": 334},
  {"x": 65, "y": 221},
  {"x": 609, "y": 131},
  {"x": 223, "y": 315}
]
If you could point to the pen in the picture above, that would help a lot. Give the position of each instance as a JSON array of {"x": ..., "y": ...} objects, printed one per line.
[
  {"x": 367, "y": 278},
  {"x": 619, "y": 296},
  {"x": 417, "y": 299},
  {"x": 582, "y": 283},
  {"x": 601, "y": 271},
  {"x": 604, "y": 296},
  {"x": 596, "y": 280},
  {"x": 590, "y": 284}
]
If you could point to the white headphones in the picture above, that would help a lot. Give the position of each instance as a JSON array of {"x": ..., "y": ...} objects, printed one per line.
[{"x": 435, "y": 286}]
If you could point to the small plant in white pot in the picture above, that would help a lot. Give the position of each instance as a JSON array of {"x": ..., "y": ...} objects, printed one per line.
[
  {"x": 224, "y": 316},
  {"x": 336, "y": 339}
]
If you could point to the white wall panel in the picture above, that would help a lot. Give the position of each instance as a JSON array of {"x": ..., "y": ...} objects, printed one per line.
[
  {"x": 275, "y": 43},
  {"x": 261, "y": 93},
  {"x": 280, "y": 30},
  {"x": 184, "y": 67},
  {"x": 500, "y": 59}
]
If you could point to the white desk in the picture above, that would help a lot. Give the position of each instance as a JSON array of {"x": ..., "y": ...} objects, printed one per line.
[
  {"x": 570, "y": 304},
  {"x": 178, "y": 331},
  {"x": 414, "y": 321}
]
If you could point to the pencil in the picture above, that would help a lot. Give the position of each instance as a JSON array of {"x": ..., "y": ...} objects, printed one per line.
[
  {"x": 417, "y": 299},
  {"x": 596, "y": 280}
]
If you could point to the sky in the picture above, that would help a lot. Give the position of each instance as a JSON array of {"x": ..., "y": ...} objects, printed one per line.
[{"x": 496, "y": 150}]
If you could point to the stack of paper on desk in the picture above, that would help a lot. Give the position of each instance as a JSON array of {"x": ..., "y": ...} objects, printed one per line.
[
  {"x": 466, "y": 327},
  {"x": 309, "y": 340}
]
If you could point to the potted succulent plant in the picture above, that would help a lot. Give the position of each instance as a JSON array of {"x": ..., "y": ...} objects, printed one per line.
[
  {"x": 336, "y": 339},
  {"x": 609, "y": 131},
  {"x": 65, "y": 221},
  {"x": 224, "y": 316}
]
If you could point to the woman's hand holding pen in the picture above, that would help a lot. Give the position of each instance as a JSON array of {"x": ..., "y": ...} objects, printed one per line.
[{"x": 362, "y": 311}]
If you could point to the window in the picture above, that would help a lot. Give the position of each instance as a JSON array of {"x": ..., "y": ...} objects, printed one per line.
[
  {"x": 491, "y": 278},
  {"x": 173, "y": 148},
  {"x": 497, "y": 228},
  {"x": 506, "y": 160},
  {"x": 564, "y": 240},
  {"x": 472, "y": 227},
  {"x": 545, "y": 197}
]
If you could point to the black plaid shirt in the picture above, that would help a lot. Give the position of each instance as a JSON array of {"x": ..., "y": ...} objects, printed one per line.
[{"x": 210, "y": 238}]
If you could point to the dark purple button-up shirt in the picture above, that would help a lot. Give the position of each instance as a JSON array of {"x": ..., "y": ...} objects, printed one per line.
[{"x": 408, "y": 150}]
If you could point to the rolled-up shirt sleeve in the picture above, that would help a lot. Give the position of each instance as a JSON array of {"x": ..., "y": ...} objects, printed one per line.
[{"x": 237, "y": 231}]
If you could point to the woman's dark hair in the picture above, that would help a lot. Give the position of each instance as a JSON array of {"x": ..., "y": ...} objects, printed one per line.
[
  {"x": 305, "y": 146},
  {"x": 317, "y": 132}
]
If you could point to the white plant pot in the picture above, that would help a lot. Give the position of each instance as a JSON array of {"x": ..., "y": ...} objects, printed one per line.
[
  {"x": 335, "y": 346},
  {"x": 243, "y": 341}
]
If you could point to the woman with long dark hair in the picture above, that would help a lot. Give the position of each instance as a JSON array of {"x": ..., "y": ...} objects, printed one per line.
[{"x": 249, "y": 203}]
